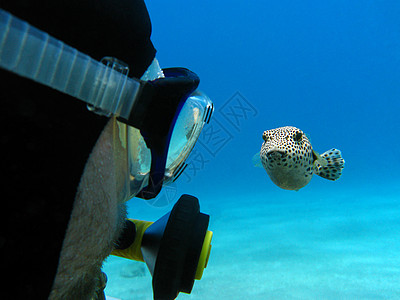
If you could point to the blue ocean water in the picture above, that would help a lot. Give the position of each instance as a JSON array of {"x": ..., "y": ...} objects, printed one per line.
[{"x": 331, "y": 68}]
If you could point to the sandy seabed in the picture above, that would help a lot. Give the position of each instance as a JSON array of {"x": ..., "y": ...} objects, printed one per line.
[{"x": 305, "y": 245}]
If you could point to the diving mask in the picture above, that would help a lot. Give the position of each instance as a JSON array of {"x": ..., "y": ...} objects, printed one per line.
[
  {"x": 164, "y": 117},
  {"x": 154, "y": 165}
]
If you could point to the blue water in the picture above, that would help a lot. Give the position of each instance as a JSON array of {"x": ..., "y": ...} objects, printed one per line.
[{"x": 331, "y": 68}]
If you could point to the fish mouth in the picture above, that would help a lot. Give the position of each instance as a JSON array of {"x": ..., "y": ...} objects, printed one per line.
[{"x": 276, "y": 153}]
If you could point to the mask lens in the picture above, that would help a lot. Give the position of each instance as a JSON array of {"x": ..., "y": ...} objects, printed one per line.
[
  {"x": 194, "y": 114},
  {"x": 187, "y": 130}
]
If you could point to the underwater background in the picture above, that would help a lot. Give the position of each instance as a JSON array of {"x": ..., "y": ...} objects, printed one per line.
[{"x": 330, "y": 68}]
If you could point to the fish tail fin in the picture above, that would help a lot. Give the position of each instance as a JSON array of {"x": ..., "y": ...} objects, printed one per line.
[{"x": 329, "y": 165}]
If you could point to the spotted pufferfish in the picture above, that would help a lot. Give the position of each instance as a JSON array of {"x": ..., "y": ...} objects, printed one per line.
[{"x": 290, "y": 161}]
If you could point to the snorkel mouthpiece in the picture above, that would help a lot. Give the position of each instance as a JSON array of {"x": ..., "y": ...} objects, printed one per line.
[{"x": 175, "y": 248}]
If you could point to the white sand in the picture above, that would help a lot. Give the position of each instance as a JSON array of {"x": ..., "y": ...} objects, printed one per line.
[{"x": 305, "y": 245}]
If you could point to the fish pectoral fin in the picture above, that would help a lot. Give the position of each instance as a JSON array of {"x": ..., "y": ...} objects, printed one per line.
[
  {"x": 329, "y": 165},
  {"x": 257, "y": 160}
]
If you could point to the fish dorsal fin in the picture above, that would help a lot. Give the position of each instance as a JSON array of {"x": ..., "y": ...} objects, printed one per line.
[
  {"x": 257, "y": 160},
  {"x": 334, "y": 164},
  {"x": 308, "y": 136}
]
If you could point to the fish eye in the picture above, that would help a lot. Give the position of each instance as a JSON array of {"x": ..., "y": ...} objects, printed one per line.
[
  {"x": 297, "y": 136},
  {"x": 265, "y": 136}
]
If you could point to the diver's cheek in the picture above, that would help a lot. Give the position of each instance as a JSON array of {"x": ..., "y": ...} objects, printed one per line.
[
  {"x": 96, "y": 219},
  {"x": 112, "y": 158}
]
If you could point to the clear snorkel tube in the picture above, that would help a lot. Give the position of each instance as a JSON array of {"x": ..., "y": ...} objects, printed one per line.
[
  {"x": 32, "y": 53},
  {"x": 107, "y": 89}
]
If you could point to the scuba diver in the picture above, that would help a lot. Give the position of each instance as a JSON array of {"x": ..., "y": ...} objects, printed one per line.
[{"x": 89, "y": 121}]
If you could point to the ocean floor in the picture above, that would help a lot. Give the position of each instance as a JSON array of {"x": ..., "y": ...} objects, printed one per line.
[{"x": 288, "y": 245}]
